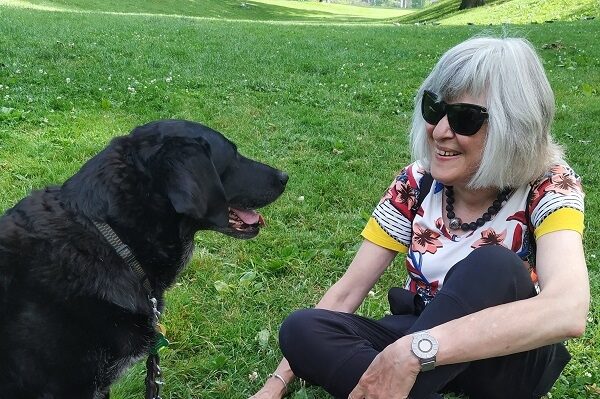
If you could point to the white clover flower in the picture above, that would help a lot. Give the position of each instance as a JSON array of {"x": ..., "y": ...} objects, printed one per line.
[
  {"x": 168, "y": 79},
  {"x": 68, "y": 80},
  {"x": 253, "y": 376},
  {"x": 131, "y": 89}
]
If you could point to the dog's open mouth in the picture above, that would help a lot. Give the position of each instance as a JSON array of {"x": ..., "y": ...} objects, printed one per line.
[{"x": 245, "y": 220}]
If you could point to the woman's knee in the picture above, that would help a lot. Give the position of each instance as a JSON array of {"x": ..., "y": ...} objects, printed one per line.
[
  {"x": 299, "y": 330},
  {"x": 294, "y": 325},
  {"x": 492, "y": 268}
]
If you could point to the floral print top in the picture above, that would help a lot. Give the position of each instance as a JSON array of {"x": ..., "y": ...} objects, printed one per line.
[{"x": 555, "y": 203}]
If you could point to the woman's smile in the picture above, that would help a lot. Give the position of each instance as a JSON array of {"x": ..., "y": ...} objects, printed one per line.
[{"x": 446, "y": 153}]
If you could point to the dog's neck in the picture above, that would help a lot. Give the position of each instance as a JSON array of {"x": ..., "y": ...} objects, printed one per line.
[
  {"x": 142, "y": 218},
  {"x": 125, "y": 253}
]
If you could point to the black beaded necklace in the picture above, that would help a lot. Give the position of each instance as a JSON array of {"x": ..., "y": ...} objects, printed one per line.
[{"x": 456, "y": 223}]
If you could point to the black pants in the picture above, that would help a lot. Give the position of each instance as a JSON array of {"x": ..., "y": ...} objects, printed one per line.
[{"x": 333, "y": 349}]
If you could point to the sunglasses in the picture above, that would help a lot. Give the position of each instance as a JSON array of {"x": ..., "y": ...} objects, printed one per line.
[{"x": 464, "y": 119}]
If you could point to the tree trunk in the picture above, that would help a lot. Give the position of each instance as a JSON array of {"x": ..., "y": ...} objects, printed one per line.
[{"x": 470, "y": 4}]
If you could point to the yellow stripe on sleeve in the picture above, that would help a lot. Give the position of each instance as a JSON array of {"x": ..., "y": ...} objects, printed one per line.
[
  {"x": 374, "y": 233},
  {"x": 561, "y": 219}
]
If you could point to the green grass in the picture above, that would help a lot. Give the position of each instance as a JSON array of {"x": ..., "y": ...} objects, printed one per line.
[
  {"x": 259, "y": 10},
  {"x": 285, "y": 11},
  {"x": 329, "y": 104},
  {"x": 339, "y": 10},
  {"x": 496, "y": 12}
]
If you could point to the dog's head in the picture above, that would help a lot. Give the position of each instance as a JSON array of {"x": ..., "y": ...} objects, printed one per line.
[
  {"x": 192, "y": 170},
  {"x": 208, "y": 180}
]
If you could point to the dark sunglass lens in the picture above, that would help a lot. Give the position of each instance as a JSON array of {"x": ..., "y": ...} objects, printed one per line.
[
  {"x": 465, "y": 119},
  {"x": 432, "y": 110}
]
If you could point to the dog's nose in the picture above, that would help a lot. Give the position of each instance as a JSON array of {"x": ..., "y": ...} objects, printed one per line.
[{"x": 283, "y": 178}]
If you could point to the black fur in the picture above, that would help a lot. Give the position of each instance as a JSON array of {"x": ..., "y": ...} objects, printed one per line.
[{"x": 73, "y": 315}]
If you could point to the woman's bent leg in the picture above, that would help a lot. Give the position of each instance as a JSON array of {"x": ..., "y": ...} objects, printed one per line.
[
  {"x": 333, "y": 349},
  {"x": 489, "y": 276}
]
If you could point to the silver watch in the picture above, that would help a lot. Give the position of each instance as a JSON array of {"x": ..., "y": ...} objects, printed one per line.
[{"x": 425, "y": 348}]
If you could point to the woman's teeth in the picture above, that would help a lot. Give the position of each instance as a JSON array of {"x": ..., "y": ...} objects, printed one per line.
[{"x": 447, "y": 153}]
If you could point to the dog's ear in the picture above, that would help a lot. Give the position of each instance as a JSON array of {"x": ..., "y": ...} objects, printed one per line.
[{"x": 191, "y": 181}]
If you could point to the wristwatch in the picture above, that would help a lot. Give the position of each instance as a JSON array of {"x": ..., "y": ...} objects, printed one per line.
[{"x": 425, "y": 347}]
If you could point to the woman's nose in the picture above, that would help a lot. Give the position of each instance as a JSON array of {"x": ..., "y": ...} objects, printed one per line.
[{"x": 442, "y": 129}]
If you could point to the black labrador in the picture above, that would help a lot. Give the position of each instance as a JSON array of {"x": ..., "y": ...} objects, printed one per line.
[{"x": 73, "y": 312}]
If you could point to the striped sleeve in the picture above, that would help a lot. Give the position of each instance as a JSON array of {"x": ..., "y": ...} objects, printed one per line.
[
  {"x": 394, "y": 214},
  {"x": 561, "y": 219},
  {"x": 374, "y": 233},
  {"x": 394, "y": 223},
  {"x": 557, "y": 202}
]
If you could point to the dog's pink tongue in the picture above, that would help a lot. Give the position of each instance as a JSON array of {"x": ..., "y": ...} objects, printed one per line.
[{"x": 248, "y": 216}]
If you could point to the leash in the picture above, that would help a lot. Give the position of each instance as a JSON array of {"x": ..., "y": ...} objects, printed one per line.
[{"x": 153, "y": 372}]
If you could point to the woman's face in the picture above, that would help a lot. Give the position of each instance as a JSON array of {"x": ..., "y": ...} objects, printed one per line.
[{"x": 455, "y": 158}]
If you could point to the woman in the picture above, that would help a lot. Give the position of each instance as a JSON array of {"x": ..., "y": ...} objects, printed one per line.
[{"x": 493, "y": 249}]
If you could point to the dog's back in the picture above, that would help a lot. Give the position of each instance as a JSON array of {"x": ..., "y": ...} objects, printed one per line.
[{"x": 57, "y": 333}]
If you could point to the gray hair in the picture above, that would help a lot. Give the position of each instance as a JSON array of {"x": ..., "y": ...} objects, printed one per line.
[{"x": 508, "y": 73}]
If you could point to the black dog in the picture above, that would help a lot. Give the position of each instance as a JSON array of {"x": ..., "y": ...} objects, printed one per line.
[{"x": 73, "y": 312}]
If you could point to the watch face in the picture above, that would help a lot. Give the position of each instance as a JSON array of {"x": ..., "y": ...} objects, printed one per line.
[{"x": 424, "y": 346}]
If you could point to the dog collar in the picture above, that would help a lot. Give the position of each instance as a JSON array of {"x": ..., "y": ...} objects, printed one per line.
[
  {"x": 125, "y": 253},
  {"x": 153, "y": 372}
]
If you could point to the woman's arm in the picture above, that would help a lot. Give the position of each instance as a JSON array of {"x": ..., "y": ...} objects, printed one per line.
[
  {"x": 366, "y": 268},
  {"x": 345, "y": 295},
  {"x": 559, "y": 312}
]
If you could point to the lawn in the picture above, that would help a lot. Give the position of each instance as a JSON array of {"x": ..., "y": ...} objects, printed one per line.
[
  {"x": 496, "y": 12},
  {"x": 254, "y": 10},
  {"x": 330, "y": 104}
]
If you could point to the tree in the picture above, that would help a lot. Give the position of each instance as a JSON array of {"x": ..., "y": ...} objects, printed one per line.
[{"x": 470, "y": 4}]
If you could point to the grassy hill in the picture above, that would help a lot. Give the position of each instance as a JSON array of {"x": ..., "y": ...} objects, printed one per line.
[
  {"x": 258, "y": 10},
  {"x": 442, "y": 11},
  {"x": 505, "y": 12}
]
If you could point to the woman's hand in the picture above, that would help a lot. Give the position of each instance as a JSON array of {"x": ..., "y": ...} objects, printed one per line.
[
  {"x": 273, "y": 389},
  {"x": 391, "y": 375},
  {"x": 276, "y": 385}
]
